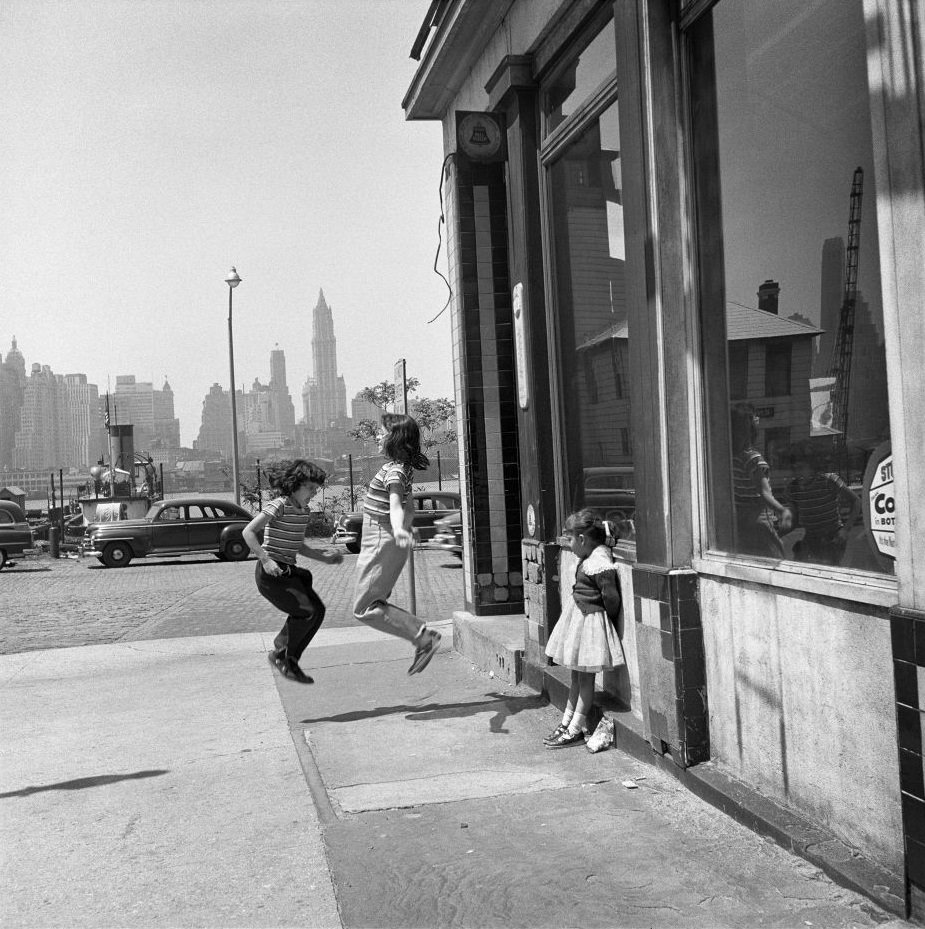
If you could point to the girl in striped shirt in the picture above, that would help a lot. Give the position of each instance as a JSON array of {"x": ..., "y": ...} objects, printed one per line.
[
  {"x": 387, "y": 515},
  {"x": 276, "y": 535}
]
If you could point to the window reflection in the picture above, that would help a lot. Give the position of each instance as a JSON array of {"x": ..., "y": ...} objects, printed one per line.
[
  {"x": 589, "y": 254},
  {"x": 578, "y": 80},
  {"x": 788, "y": 168}
]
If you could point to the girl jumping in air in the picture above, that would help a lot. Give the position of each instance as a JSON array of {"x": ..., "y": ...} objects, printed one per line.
[
  {"x": 276, "y": 535},
  {"x": 585, "y": 637},
  {"x": 387, "y": 514}
]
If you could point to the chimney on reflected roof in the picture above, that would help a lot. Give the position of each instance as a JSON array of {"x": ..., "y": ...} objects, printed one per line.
[{"x": 768, "y": 293}]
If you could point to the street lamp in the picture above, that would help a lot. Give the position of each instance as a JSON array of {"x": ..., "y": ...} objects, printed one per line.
[{"x": 232, "y": 280}]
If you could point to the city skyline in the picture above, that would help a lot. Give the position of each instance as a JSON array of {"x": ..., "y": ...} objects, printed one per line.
[{"x": 160, "y": 144}]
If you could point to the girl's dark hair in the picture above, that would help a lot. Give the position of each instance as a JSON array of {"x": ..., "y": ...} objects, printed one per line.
[
  {"x": 744, "y": 430},
  {"x": 403, "y": 443},
  {"x": 588, "y": 523},
  {"x": 288, "y": 476}
]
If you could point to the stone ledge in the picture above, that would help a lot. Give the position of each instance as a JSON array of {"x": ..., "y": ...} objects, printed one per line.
[{"x": 494, "y": 643}]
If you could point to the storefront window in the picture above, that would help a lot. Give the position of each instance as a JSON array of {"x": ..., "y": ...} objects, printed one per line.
[
  {"x": 585, "y": 187},
  {"x": 790, "y": 297},
  {"x": 579, "y": 79}
]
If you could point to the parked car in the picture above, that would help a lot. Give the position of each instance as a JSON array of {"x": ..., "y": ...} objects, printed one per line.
[
  {"x": 172, "y": 527},
  {"x": 611, "y": 492},
  {"x": 448, "y": 534},
  {"x": 15, "y": 533},
  {"x": 429, "y": 506}
]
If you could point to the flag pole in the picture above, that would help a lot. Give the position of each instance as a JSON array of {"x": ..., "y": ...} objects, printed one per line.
[{"x": 112, "y": 475}]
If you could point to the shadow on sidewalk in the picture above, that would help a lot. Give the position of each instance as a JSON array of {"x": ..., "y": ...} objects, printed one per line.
[
  {"x": 505, "y": 707},
  {"x": 81, "y": 783}
]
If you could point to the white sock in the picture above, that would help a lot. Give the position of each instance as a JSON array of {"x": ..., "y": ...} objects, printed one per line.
[
  {"x": 577, "y": 724},
  {"x": 567, "y": 717}
]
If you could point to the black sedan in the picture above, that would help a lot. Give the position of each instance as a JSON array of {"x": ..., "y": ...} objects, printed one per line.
[
  {"x": 16, "y": 535},
  {"x": 429, "y": 506},
  {"x": 172, "y": 527}
]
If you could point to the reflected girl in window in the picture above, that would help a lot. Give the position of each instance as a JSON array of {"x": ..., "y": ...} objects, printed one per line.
[{"x": 758, "y": 512}]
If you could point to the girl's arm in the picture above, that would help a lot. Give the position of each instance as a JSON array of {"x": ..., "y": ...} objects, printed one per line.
[
  {"x": 609, "y": 586},
  {"x": 784, "y": 512},
  {"x": 253, "y": 533},
  {"x": 321, "y": 554},
  {"x": 398, "y": 518}
]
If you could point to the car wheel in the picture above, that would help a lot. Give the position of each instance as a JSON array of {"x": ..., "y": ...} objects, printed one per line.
[
  {"x": 352, "y": 547},
  {"x": 236, "y": 550},
  {"x": 117, "y": 555}
]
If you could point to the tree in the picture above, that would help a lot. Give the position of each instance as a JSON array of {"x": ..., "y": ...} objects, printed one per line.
[{"x": 436, "y": 417}]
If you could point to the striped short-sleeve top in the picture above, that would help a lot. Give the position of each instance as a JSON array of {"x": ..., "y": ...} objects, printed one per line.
[
  {"x": 376, "y": 503},
  {"x": 284, "y": 534},
  {"x": 816, "y": 501}
]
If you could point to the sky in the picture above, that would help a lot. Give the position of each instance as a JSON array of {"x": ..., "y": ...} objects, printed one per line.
[{"x": 149, "y": 145}]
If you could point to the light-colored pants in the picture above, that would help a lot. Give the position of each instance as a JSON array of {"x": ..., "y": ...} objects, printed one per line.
[{"x": 378, "y": 568}]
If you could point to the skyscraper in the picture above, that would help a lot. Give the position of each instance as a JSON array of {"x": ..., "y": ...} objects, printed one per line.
[
  {"x": 12, "y": 388},
  {"x": 39, "y": 440},
  {"x": 282, "y": 411},
  {"x": 214, "y": 431},
  {"x": 149, "y": 410},
  {"x": 324, "y": 397}
]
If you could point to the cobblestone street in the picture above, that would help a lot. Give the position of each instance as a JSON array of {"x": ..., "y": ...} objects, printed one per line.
[{"x": 67, "y": 602}]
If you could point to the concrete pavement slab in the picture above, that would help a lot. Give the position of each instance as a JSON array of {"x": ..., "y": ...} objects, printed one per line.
[
  {"x": 154, "y": 784},
  {"x": 448, "y": 811}
]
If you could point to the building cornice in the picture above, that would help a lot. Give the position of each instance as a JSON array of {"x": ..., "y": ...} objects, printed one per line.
[{"x": 460, "y": 37}]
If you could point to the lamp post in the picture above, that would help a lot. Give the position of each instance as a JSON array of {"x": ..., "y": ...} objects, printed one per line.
[{"x": 232, "y": 280}]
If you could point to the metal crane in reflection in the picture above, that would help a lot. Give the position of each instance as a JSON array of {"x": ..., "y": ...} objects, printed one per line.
[{"x": 840, "y": 368}]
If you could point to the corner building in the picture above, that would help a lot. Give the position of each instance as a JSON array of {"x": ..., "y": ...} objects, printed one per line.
[{"x": 685, "y": 242}]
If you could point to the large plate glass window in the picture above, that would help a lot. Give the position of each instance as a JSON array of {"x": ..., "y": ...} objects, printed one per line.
[
  {"x": 586, "y": 240},
  {"x": 790, "y": 297}
]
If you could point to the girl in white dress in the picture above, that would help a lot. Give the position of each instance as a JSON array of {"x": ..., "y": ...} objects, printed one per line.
[{"x": 585, "y": 637}]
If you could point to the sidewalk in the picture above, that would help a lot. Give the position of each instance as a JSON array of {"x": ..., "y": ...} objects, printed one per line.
[{"x": 171, "y": 783}]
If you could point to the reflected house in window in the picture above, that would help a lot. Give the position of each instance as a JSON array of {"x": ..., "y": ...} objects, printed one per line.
[
  {"x": 770, "y": 366},
  {"x": 604, "y": 397}
]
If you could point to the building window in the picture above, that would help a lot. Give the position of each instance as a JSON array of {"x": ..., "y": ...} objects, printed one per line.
[
  {"x": 738, "y": 370},
  {"x": 788, "y": 276},
  {"x": 585, "y": 194},
  {"x": 777, "y": 357}
]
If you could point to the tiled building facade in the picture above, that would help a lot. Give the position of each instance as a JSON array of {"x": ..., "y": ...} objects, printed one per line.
[{"x": 627, "y": 176}]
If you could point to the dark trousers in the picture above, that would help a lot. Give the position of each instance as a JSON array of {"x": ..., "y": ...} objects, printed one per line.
[{"x": 293, "y": 593}]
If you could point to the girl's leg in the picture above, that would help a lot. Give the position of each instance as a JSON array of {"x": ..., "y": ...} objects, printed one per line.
[
  {"x": 292, "y": 594},
  {"x": 585, "y": 700},
  {"x": 378, "y": 568},
  {"x": 572, "y": 701},
  {"x": 569, "y": 711},
  {"x": 303, "y": 624}
]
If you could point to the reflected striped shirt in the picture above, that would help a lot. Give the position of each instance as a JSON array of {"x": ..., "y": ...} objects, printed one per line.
[
  {"x": 284, "y": 534},
  {"x": 377, "y": 494},
  {"x": 816, "y": 501}
]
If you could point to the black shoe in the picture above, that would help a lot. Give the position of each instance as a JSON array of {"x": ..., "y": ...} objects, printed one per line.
[
  {"x": 556, "y": 733},
  {"x": 295, "y": 673},
  {"x": 568, "y": 738},
  {"x": 288, "y": 668},
  {"x": 275, "y": 658}
]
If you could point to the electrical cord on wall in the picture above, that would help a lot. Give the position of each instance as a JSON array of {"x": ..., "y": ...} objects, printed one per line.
[{"x": 440, "y": 240}]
